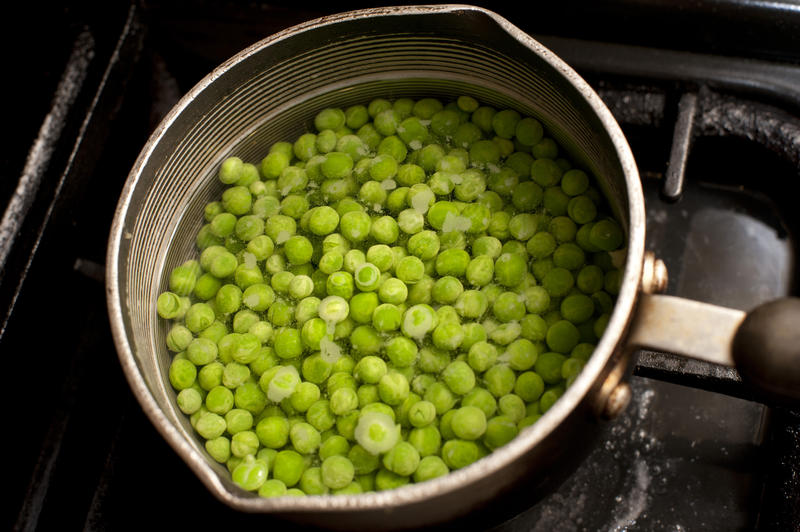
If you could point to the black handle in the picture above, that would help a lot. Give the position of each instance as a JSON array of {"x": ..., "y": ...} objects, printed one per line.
[{"x": 766, "y": 350}]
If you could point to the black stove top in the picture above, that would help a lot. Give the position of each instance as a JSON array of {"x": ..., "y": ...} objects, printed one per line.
[{"x": 708, "y": 96}]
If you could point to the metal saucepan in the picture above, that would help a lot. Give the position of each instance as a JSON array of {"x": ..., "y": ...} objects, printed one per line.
[{"x": 267, "y": 93}]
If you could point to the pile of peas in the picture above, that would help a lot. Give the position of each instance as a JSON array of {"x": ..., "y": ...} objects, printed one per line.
[{"x": 388, "y": 298}]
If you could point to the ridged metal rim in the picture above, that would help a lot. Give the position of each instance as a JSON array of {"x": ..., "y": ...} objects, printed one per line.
[{"x": 415, "y": 493}]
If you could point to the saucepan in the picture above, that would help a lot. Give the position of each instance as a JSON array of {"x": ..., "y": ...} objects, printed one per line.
[{"x": 267, "y": 93}]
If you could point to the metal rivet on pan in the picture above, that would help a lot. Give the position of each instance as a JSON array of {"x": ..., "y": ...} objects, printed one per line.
[
  {"x": 654, "y": 274},
  {"x": 617, "y": 400}
]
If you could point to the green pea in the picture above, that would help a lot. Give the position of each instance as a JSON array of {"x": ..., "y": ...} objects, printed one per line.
[
  {"x": 182, "y": 373},
  {"x": 452, "y": 262},
  {"x": 448, "y": 335},
  {"x": 447, "y": 289},
  {"x": 469, "y": 423},
  {"x": 606, "y": 234},
  {"x": 545, "y": 148},
  {"x": 355, "y": 225},
  {"x": 288, "y": 467},
  {"x": 499, "y": 380},
  {"x": 499, "y": 431},
  {"x": 459, "y": 453},
  {"x": 250, "y": 474},
  {"x": 509, "y": 269}
]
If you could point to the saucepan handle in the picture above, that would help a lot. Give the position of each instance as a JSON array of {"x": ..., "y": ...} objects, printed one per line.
[{"x": 763, "y": 344}]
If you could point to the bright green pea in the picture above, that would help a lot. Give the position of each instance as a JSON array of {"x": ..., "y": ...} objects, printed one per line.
[
  {"x": 355, "y": 225},
  {"x": 385, "y": 230},
  {"x": 237, "y": 200},
  {"x": 353, "y": 259},
  {"x": 424, "y": 245},
  {"x": 509, "y": 269},
  {"x": 340, "y": 284},
  {"x": 508, "y": 306},
  {"x": 356, "y": 116},
  {"x": 459, "y": 453},
  {"x": 425, "y": 108},
  {"x": 329, "y": 118},
  {"x": 210, "y": 425},
  {"x": 500, "y": 430},
  {"x": 499, "y": 380},
  {"x": 201, "y": 351},
  {"x": 459, "y": 377},
  {"x": 386, "y": 317},
  {"x": 388, "y": 480},
  {"x": 199, "y": 316},
  {"x": 487, "y": 245},
  {"x": 210, "y": 375},
  {"x": 402, "y": 459},
  {"x": 250, "y": 474},
  {"x": 288, "y": 467},
  {"x": 448, "y": 335},
  {"x": 521, "y": 354},
  {"x": 304, "y": 438},
  {"x": 182, "y": 373},
  {"x": 287, "y": 343},
  {"x": 452, "y": 262},
  {"x": 393, "y": 388},
  {"x": 447, "y": 289},
  {"x": 219, "y": 448},
  {"x": 422, "y": 413},
  {"x": 244, "y": 443},
  {"x": 367, "y": 277},
  {"x": 258, "y": 297},
  {"x": 410, "y": 270},
  {"x": 362, "y": 305},
  {"x": 189, "y": 400},
  {"x": 183, "y": 278},
  {"x": 381, "y": 256},
  {"x": 366, "y": 340},
  {"x": 534, "y": 327},
  {"x": 323, "y": 220},
  {"x": 468, "y": 423},
  {"x": 471, "y": 304},
  {"x": 481, "y": 356}
]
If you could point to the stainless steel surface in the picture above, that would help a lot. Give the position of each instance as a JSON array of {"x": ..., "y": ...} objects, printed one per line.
[
  {"x": 685, "y": 327},
  {"x": 267, "y": 93}
]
